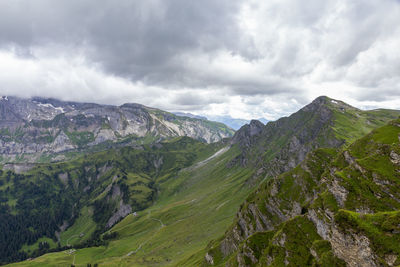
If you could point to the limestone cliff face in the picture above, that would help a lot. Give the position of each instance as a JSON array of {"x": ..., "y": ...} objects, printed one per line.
[
  {"x": 337, "y": 208},
  {"x": 34, "y": 126}
]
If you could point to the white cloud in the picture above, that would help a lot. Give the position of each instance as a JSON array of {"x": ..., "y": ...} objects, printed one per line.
[{"x": 245, "y": 58}]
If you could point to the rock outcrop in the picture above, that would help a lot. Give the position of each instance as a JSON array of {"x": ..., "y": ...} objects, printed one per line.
[
  {"x": 336, "y": 208},
  {"x": 32, "y": 127}
]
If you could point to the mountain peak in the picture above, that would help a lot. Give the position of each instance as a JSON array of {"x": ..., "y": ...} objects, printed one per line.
[
  {"x": 244, "y": 135},
  {"x": 328, "y": 103},
  {"x": 256, "y": 127}
]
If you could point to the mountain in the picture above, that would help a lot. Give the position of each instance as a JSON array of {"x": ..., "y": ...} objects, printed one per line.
[
  {"x": 38, "y": 129},
  {"x": 337, "y": 208},
  {"x": 190, "y": 115},
  {"x": 234, "y": 123},
  {"x": 55, "y": 202},
  {"x": 198, "y": 189},
  {"x": 280, "y": 145}
]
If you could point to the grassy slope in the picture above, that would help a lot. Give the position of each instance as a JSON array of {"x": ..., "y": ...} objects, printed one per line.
[
  {"x": 179, "y": 200},
  {"x": 371, "y": 180},
  {"x": 193, "y": 208},
  {"x": 136, "y": 165},
  {"x": 325, "y": 123}
]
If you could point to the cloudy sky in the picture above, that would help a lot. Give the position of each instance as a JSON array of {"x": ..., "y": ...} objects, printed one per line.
[{"x": 243, "y": 58}]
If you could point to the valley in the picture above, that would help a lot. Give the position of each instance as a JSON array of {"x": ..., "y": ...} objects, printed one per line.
[{"x": 255, "y": 199}]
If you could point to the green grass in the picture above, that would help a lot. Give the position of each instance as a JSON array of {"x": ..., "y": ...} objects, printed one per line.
[
  {"x": 196, "y": 206},
  {"x": 134, "y": 171},
  {"x": 80, "y": 138},
  {"x": 83, "y": 225},
  {"x": 35, "y": 246},
  {"x": 381, "y": 228},
  {"x": 371, "y": 181},
  {"x": 372, "y": 187},
  {"x": 353, "y": 124}
]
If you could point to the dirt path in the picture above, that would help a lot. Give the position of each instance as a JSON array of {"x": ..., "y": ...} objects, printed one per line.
[{"x": 162, "y": 225}]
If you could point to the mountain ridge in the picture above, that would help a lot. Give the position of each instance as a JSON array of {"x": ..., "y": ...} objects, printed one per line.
[
  {"x": 282, "y": 144},
  {"x": 37, "y": 126},
  {"x": 326, "y": 196},
  {"x": 197, "y": 203}
]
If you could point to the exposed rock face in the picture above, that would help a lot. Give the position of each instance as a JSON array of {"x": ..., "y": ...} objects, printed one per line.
[
  {"x": 35, "y": 126},
  {"x": 276, "y": 205},
  {"x": 343, "y": 207},
  {"x": 247, "y": 133},
  {"x": 395, "y": 158},
  {"x": 280, "y": 145},
  {"x": 352, "y": 247},
  {"x": 123, "y": 210},
  {"x": 18, "y": 168},
  {"x": 209, "y": 259}
]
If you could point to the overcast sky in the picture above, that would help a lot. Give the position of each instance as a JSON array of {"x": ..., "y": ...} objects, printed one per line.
[{"x": 243, "y": 58}]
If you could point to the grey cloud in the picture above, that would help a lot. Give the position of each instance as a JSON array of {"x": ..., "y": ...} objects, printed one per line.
[
  {"x": 380, "y": 95},
  {"x": 266, "y": 88},
  {"x": 197, "y": 53},
  {"x": 141, "y": 40},
  {"x": 192, "y": 99}
]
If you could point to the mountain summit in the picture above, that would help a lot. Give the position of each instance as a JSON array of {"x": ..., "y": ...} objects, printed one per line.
[{"x": 280, "y": 145}]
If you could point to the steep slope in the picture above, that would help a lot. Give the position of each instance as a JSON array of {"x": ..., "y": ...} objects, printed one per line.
[
  {"x": 199, "y": 203},
  {"x": 193, "y": 207},
  {"x": 74, "y": 202},
  {"x": 34, "y": 129},
  {"x": 336, "y": 208},
  {"x": 280, "y": 145}
]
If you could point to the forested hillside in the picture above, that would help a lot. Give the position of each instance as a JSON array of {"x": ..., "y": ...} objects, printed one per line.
[{"x": 40, "y": 209}]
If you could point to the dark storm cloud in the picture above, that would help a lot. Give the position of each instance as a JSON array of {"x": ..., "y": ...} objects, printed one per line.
[
  {"x": 142, "y": 40},
  {"x": 214, "y": 55}
]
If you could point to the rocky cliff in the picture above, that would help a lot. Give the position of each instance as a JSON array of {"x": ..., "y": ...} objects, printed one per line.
[
  {"x": 279, "y": 146},
  {"x": 337, "y": 208},
  {"x": 30, "y": 128}
]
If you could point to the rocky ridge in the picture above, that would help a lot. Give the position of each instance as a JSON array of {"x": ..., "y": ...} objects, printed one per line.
[
  {"x": 337, "y": 208},
  {"x": 30, "y": 128},
  {"x": 281, "y": 145}
]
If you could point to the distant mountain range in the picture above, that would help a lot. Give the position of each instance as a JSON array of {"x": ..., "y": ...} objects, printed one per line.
[
  {"x": 33, "y": 128},
  {"x": 233, "y": 123}
]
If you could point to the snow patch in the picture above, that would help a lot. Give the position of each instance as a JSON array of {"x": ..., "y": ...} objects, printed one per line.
[
  {"x": 5, "y": 98},
  {"x": 334, "y": 102},
  {"x": 48, "y": 105}
]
